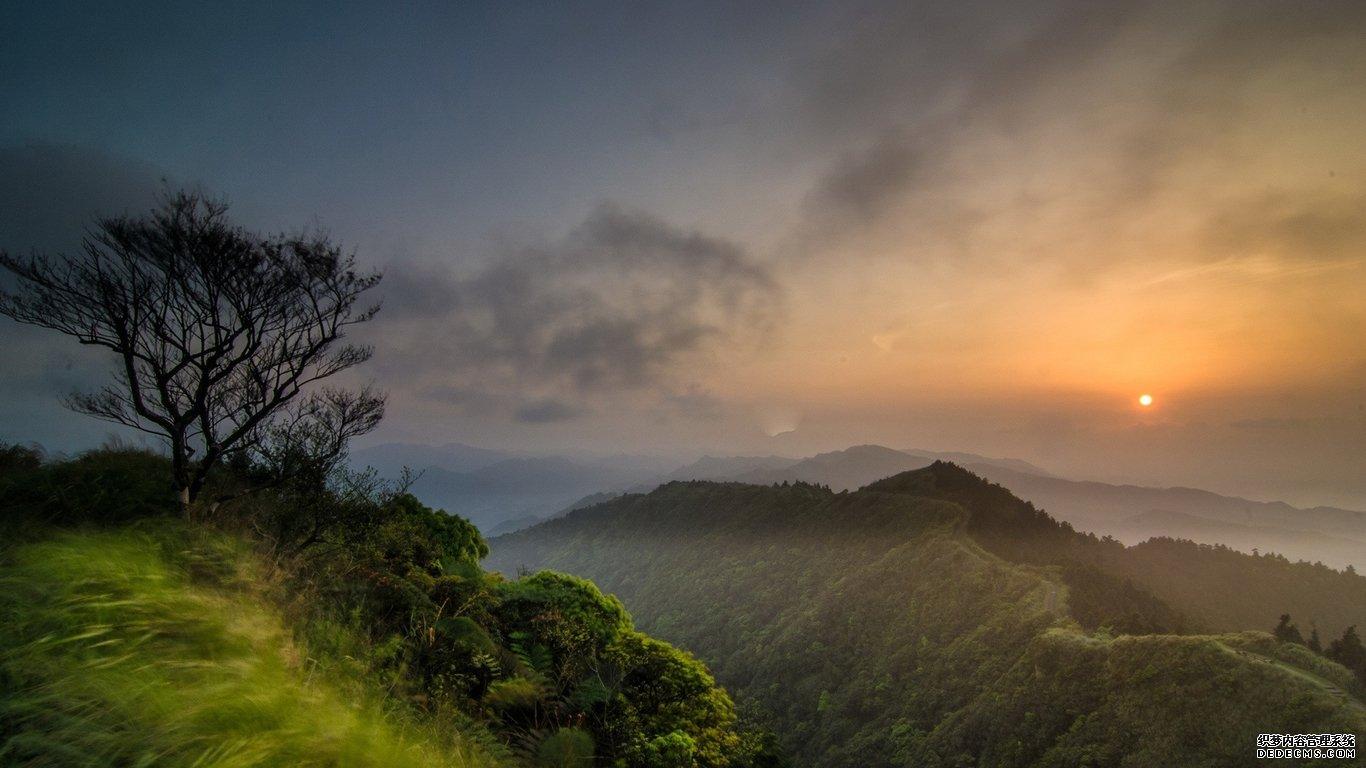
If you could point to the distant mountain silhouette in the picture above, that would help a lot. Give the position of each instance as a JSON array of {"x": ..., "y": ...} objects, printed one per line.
[
  {"x": 1134, "y": 513},
  {"x": 1337, "y": 551},
  {"x": 390, "y": 458},
  {"x": 726, "y": 467},
  {"x": 1127, "y": 512},
  {"x": 502, "y": 492},
  {"x": 847, "y": 469},
  {"x": 519, "y": 487}
]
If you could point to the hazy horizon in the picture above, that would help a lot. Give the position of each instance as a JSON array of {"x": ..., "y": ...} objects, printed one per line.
[{"x": 779, "y": 229}]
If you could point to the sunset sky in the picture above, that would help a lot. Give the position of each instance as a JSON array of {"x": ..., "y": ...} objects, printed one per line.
[{"x": 677, "y": 228}]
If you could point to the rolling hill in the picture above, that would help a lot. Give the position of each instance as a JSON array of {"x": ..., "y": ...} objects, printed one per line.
[
  {"x": 1130, "y": 513},
  {"x": 504, "y": 492},
  {"x": 1337, "y": 551},
  {"x": 1134, "y": 513},
  {"x": 845, "y": 469},
  {"x": 935, "y": 619},
  {"x": 156, "y": 647},
  {"x": 517, "y": 487},
  {"x": 132, "y": 636}
]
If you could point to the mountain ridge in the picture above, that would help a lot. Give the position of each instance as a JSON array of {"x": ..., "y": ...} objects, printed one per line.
[
  {"x": 887, "y": 626},
  {"x": 503, "y": 491}
]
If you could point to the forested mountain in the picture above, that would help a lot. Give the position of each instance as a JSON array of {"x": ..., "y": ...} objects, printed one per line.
[
  {"x": 1130, "y": 513},
  {"x": 1311, "y": 546},
  {"x": 933, "y": 618},
  {"x": 504, "y": 492}
]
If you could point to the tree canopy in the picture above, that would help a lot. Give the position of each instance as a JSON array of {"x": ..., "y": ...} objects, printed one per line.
[{"x": 220, "y": 334}]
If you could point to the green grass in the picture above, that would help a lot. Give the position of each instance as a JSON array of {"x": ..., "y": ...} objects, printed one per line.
[{"x": 153, "y": 646}]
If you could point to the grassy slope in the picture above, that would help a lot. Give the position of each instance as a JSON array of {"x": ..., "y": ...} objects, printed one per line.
[
  {"x": 874, "y": 632},
  {"x": 152, "y": 645},
  {"x": 1145, "y": 700},
  {"x": 1230, "y": 590}
]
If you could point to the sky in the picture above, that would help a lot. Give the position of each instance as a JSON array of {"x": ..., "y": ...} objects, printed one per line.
[{"x": 752, "y": 228}]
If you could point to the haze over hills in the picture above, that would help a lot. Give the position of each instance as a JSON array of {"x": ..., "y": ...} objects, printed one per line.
[
  {"x": 933, "y": 618},
  {"x": 389, "y": 459},
  {"x": 1312, "y": 546},
  {"x": 518, "y": 487},
  {"x": 1130, "y": 513},
  {"x": 503, "y": 491},
  {"x": 846, "y": 469},
  {"x": 1134, "y": 513},
  {"x": 724, "y": 467},
  {"x": 493, "y": 487},
  {"x": 390, "y": 299}
]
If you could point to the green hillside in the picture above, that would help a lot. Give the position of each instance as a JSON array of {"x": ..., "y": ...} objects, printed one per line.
[
  {"x": 1161, "y": 585},
  {"x": 151, "y": 646},
  {"x": 341, "y": 624},
  {"x": 934, "y": 619},
  {"x": 1230, "y": 590}
]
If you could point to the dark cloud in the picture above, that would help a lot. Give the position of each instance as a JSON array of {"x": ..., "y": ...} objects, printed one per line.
[
  {"x": 615, "y": 305},
  {"x": 49, "y": 196},
  {"x": 546, "y": 411},
  {"x": 925, "y": 98},
  {"x": 855, "y": 191},
  {"x": 467, "y": 399},
  {"x": 695, "y": 402},
  {"x": 1313, "y": 226},
  {"x": 902, "y": 107},
  {"x": 879, "y": 63},
  {"x": 50, "y": 193}
]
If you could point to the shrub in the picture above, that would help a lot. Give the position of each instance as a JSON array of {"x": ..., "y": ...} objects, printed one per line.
[{"x": 105, "y": 486}]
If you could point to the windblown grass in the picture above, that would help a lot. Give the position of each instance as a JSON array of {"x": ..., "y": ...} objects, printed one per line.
[{"x": 148, "y": 646}]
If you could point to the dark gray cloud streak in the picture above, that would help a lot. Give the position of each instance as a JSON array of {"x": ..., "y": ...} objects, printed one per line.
[
  {"x": 616, "y": 305},
  {"x": 546, "y": 411},
  {"x": 901, "y": 90},
  {"x": 1322, "y": 227},
  {"x": 971, "y": 72},
  {"x": 536, "y": 333},
  {"x": 49, "y": 195}
]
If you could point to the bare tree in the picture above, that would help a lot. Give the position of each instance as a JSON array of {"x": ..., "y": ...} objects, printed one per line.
[{"x": 220, "y": 334}]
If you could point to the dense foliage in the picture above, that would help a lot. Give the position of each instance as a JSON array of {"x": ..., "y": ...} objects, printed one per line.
[
  {"x": 934, "y": 619},
  {"x": 375, "y": 589},
  {"x": 149, "y": 645},
  {"x": 1347, "y": 650},
  {"x": 1016, "y": 531},
  {"x": 1231, "y": 590}
]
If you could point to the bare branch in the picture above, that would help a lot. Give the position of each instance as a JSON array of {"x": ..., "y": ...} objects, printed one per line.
[{"x": 220, "y": 334}]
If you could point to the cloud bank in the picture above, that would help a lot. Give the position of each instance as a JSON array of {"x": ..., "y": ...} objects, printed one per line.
[{"x": 616, "y": 306}]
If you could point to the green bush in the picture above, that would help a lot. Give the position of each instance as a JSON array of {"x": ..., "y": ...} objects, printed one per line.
[
  {"x": 106, "y": 486},
  {"x": 113, "y": 653},
  {"x": 566, "y": 748},
  {"x": 382, "y": 594}
]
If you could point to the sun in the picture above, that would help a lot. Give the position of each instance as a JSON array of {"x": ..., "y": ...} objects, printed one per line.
[{"x": 1145, "y": 400}]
